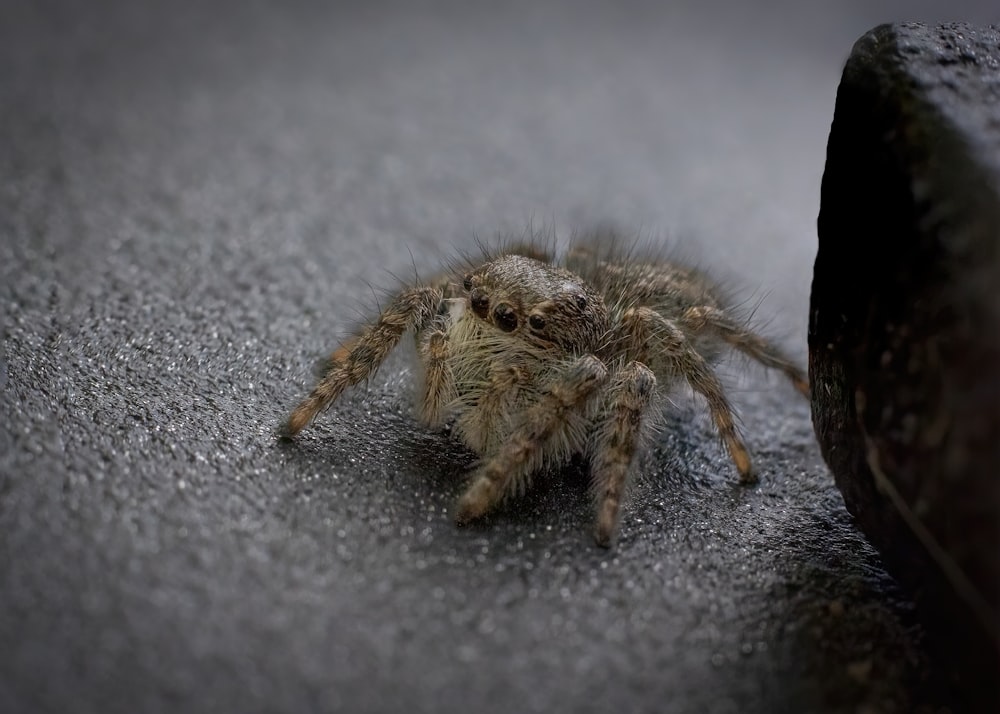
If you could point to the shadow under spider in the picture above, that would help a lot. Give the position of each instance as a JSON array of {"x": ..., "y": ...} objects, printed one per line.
[{"x": 416, "y": 464}]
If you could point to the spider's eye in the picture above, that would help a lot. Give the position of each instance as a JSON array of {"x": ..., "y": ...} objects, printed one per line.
[
  {"x": 537, "y": 322},
  {"x": 505, "y": 318},
  {"x": 467, "y": 283},
  {"x": 581, "y": 301},
  {"x": 480, "y": 303}
]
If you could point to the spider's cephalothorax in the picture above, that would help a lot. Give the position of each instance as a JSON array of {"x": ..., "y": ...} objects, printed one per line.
[{"x": 537, "y": 362}]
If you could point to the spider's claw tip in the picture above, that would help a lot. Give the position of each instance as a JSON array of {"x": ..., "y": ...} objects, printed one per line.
[
  {"x": 475, "y": 502},
  {"x": 602, "y": 537},
  {"x": 296, "y": 421},
  {"x": 466, "y": 513}
]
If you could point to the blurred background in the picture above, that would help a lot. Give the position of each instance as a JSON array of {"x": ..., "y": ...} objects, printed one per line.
[{"x": 700, "y": 121}]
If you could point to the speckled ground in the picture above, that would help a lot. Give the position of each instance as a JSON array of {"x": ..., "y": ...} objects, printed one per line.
[{"x": 193, "y": 202}]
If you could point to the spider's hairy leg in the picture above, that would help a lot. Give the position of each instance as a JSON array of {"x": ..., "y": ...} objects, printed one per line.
[
  {"x": 581, "y": 258},
  {"x": 659, "y": 342},
  {"x": 746, "y": 341},
  {"x": 359, "y": 357},
  {"x": 539, "y": 427},
  {"x": 439, "y": 383},
  {"x": 619, "y": 434}
]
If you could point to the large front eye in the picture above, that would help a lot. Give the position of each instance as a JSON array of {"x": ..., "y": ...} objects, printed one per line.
[
  {"x": 505, "y": 318},
  {"x": 467, "y": 283}
]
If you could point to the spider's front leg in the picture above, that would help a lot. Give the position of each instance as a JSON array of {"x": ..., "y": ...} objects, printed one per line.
[
  {"x": 620, "y": 430},
  {"x": 545, "y": 426},
  {"x": 359, "y": 357},
  {"x": 659, "y": 342}
]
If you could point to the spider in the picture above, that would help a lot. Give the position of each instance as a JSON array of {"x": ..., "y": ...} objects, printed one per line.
[{"x": 537, "y": 360}]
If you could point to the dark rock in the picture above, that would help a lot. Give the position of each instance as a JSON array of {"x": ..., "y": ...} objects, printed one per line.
[{"x": 904, "y": 335}]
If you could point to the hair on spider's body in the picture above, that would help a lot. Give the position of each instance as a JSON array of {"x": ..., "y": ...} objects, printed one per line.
[{"x": 536, "y": 361}]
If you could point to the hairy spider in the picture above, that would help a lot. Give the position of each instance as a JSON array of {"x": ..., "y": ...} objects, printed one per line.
[{"x": 536, "y": 362}]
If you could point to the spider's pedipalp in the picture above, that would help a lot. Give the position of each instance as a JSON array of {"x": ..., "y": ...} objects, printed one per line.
[
  {"x": 619, "y": 434},
  {"x": 538, "y": 433},
  {"x": 659, "y": 342},
  {"x": 495, "y": 407},
  {"x": 359, "y": 357}
]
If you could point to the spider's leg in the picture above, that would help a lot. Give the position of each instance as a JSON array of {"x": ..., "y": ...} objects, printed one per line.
[
  {"x": 539, "y": 430},
  {"x": 620, "y": 430},
  {"x": 660, "y": 343},
  {"x": 359, "y": 357},
  {"x": 746, "y": 341}
]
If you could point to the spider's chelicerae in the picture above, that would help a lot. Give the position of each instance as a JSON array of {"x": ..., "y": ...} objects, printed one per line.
[{"x": 537, "y": 361}]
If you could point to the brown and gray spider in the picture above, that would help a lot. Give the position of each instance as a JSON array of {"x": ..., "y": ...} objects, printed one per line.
[{"x": 537, "y": 362}]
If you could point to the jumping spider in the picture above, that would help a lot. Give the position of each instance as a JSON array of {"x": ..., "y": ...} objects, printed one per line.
[{"x": 536, "y": 362}]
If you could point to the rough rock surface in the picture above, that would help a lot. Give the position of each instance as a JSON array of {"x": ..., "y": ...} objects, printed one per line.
[{"x": 904, "y": 334}]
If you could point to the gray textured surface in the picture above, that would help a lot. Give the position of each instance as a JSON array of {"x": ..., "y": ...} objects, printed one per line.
[{"x": 190, "y": 202}]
